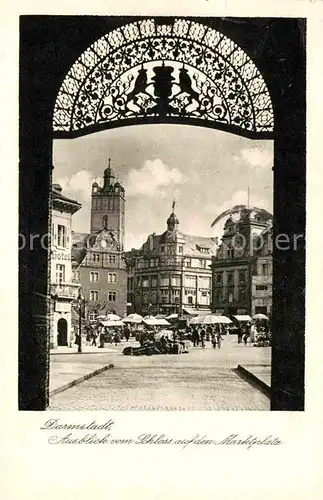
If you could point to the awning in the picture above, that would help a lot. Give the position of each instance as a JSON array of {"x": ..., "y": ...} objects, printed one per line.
[
  {"x": 242, "y": 317},
  {"x": 192, "y": 311},
  {"x": 156, "y": 322},
  {"x": 111, "y": 323}
]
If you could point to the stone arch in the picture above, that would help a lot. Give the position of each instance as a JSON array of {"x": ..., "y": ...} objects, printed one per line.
[{"x": 148, "y": 72}]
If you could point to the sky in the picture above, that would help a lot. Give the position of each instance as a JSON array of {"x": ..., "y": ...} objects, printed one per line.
[{"x": 206, "y": 171}]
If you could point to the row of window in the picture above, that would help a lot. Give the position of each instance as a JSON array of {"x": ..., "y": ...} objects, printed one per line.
[
  {"x": 173, "y": 280},
  {"x": 229, "y": 296},
  {"x": 188, "y": 262},
  {"x": 230, "y": 277},
  {"x": 95, "y": 277},
  {"x": 263, "y": 270},
  {"x": 103, "y": 204},
  {"x": 96, "y": 257},
  {"x": 94, "y": 296}
]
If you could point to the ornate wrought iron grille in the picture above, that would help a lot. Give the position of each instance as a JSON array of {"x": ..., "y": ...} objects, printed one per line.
[{"x": 144, "y": 69}]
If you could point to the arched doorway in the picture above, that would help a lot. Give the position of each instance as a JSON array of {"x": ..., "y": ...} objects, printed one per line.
[
  {"x": 62, "y": 332},
  {"x": 281, "y": 57}
]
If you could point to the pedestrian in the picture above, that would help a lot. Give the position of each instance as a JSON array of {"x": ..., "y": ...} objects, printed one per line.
[
  {"x": 240, "y": 334},
  {"x": 127, "y": 333},
  {"x": 94, "y": 337},
  {"x": 202, "y": 337},
  {"x": 116, "y": 339},
  {"x": 195, "y": 336},
  {"x": 245, "y": 336},
  {"x": 253, "y": 333},
  {"x": 213, "y": 339},
  {"x": 218, "y": 339}
]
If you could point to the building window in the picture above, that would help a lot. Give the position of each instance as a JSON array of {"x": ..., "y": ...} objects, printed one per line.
[
  {"x": 94, "y": 295},
  {"x": 76, "y": 276},
  {"x": 112, "y": 278},
  {"x": 261, "y": 287},
  {"x": 145, "y": 281},
  {"x": 93, "y": 315},
  {"x": 190, "y": 281},
  {"x": 203, "y": 263},
  {"x": 188, "y": 262},
  {"x": 180, "y": 249},
  {"x": 154, "y": 281},
  {"x": 242, "y": 296},
  {"x": 94, "y": 276},
  {"x": 112, "y": 259},
  {"x": 60, "y": 273},
  {"x": 112, "y": 296},
  {"x": 219, "y": 277},
  {"x": 164, "y": 280},
  {"x": 96, "y": 257},
  {"x": 265, "y": 269},
  {"x": 204, "y": 294},
  {"x": 190, "y": 299},
  {"x": 61, "y": 236},
  {"x": 175, "y": 280},
  {"x": 164, "y": 299},
  {"x": 219, "y": 296},
  {"x": 230, "y": 277},
  {"x": 138, "y": 281},
  {"x": 162, "y": 249},
  {"x": 242, "y": 276}
]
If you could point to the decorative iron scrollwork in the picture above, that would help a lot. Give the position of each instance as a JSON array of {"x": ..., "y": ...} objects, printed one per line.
[{"x": 186, "y": 70}]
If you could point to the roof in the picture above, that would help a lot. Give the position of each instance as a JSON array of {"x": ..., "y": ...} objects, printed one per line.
[
  {"x": 58, "y": 198},
  {"x": 193, "y": 244}
]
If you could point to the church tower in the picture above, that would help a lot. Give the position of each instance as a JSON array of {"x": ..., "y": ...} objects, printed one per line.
[{"x": 108, "y": 206}]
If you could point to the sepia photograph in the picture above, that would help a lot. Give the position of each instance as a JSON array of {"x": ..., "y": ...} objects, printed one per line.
[{"x": 162, "y": 188}]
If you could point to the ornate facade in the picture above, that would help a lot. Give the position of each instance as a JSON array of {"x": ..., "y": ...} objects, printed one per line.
[
  {"x": 63, "y": 289},
  {"x": 98, "y": 259},
  {"x": 242, "y": 267},
  {"x": 171, "y": 272}
]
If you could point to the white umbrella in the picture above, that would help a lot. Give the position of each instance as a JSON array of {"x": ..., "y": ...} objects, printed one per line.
[
  {"x": 112, "y": 317},
  {"x": 211, "y": 319},
  {"x": 133, "y": 318},
  {"x": 225, "y": 320},
  {"x": 260, "y": 316}
]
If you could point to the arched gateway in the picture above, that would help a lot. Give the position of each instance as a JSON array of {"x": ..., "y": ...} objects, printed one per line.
[
  {"x": 82, "y": 74},
  {"x": 146, "y": 72}
]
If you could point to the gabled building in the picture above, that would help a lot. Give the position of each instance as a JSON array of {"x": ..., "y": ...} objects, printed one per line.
[
  {"x": 63, "y": 289},
  {"x": 98, "y": 258},
  {"x": 171, "y": 272},
  {"x": 242, "y": 267}
]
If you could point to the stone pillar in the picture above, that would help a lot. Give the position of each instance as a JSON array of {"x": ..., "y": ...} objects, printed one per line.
[{"x": 288, "y": 318}]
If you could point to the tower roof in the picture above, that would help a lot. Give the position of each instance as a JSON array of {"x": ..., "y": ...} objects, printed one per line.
[{"x": 108, "y": 171}]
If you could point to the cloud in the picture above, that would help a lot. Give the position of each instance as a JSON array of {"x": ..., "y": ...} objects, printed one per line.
[
  {"x": 154, "y": 175},
  {"x": 77, "y": 185},
  {"x": 257, "y": 157}
]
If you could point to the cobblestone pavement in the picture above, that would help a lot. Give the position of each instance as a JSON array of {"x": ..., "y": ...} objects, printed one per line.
[{"x": 203, "y": 379}]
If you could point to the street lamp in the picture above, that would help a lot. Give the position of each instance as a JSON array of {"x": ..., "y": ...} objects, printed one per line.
[{"x": 81, "y": 303}]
